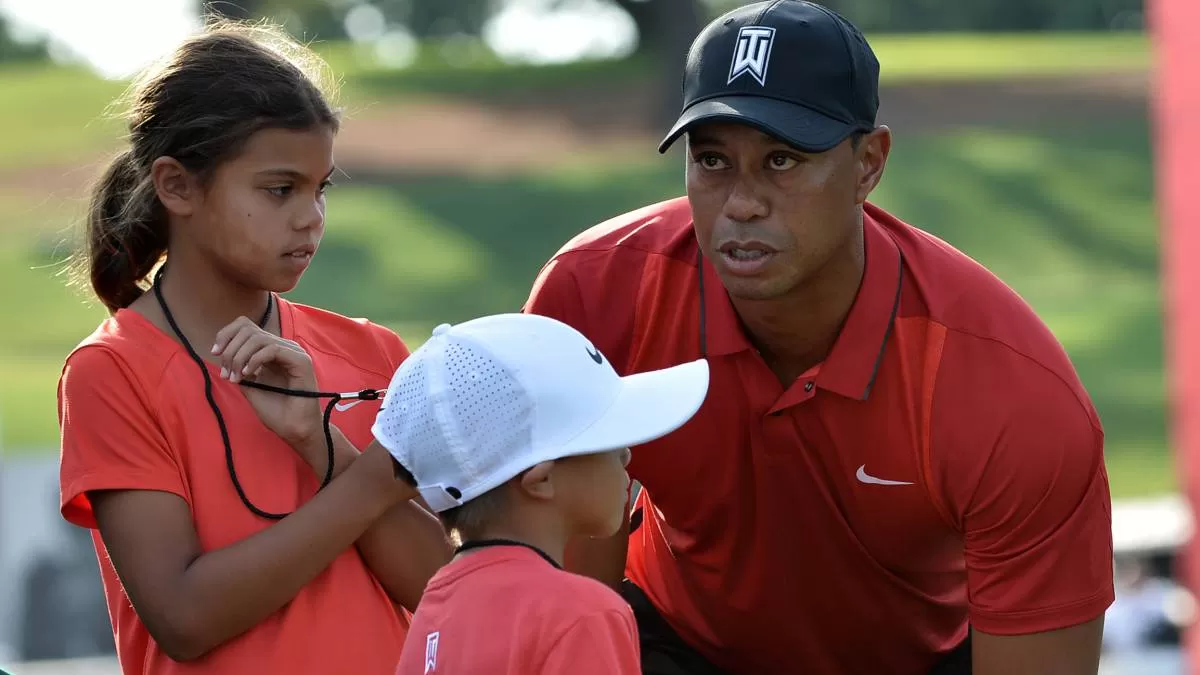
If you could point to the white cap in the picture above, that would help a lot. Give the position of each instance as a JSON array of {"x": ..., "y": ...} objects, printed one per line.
[{"x": 484, "y": 400}]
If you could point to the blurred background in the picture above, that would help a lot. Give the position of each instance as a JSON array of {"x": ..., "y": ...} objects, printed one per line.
[{"x": 481, "y": 134}]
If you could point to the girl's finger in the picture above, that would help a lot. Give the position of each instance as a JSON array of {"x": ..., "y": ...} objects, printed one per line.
[
  {"x": 294, "y": 346},
  {"x": 268, "y": 355},
  {"x": 255, "y": 343},
  {"x": 227, "y": 333},
  {"x": 294, "y": 364},
  {"x": 233, "y": 345}
]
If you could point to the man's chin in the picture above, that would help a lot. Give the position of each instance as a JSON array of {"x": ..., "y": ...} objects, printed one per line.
[{"x": 754, "y": 289}]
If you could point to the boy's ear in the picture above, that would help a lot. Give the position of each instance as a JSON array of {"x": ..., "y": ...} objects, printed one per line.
[{"x": 537, "y": 481}]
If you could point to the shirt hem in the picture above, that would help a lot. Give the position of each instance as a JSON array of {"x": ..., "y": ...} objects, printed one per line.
[
  {"x": 75, "y": 488},
  {"x": 1041, "y": 620}
]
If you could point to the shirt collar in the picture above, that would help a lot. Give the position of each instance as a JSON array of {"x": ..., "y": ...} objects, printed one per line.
[{"x": 853, "y": 361}]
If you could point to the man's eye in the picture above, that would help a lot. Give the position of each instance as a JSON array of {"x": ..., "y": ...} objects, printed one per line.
[
  {"x": 781, "y": 162},
  {"x": 711, "y": 162}
]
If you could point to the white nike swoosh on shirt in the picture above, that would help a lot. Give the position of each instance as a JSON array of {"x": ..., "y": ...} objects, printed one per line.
[
  {"x": 864, "y": 477},
  {"x": 343, "y": 407}
]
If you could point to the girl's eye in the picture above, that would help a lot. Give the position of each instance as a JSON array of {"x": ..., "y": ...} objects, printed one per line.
[
  {"x": 325, "y": 186},
  {"x": 280, "y": 190}
]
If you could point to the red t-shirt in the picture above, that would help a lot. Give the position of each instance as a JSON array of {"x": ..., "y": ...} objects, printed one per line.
[
  {"x": 942, "y": 467},
  {"x": 134, "y": 417},
  {"x": 506, "y": 610}
]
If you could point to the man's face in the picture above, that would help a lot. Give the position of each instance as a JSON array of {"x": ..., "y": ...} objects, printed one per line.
[{"x": 769, "y": 216}]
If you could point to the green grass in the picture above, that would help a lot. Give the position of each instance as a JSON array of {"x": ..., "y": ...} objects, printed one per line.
[
  {"x": 44, "y": 319},
  {"x": 1062, "y": 215},
  {"x": 978, "y": 56},
  {"x": 52, "y": 114}
]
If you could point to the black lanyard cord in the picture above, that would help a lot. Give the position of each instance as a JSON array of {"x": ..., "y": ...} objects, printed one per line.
[
  {"x": 485, "y": 543},
  {"x": 364, "y": 395}
]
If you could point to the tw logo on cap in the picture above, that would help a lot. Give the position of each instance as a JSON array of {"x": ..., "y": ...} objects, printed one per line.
[{"x": 752, "y": 53}]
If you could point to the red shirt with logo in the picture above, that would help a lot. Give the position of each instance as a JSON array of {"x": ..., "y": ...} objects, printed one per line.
[
  {"x": 942, "y": 467},
  {"x": 506, "y": 610},
  {"x": 134, "y": 416}
]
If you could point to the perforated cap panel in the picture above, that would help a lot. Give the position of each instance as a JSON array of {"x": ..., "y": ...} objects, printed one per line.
[
  {"x": 452, "y": 415},
  {"x": 490, "y": 411},
  {"x": 485, "y": 400},
  {"x": 405, "y": 420}
]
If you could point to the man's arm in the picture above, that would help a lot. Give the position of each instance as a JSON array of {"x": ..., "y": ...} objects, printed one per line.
[
  {"x": 1066, "y": 651},
  {"x": 1017, "y": 460}
]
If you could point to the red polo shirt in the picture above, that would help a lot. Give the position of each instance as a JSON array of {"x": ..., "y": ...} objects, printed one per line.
[
  {"x": 942, "y": 467},
  {"x": 134, "y": 416},
  {"x": 506, "y": 611}
]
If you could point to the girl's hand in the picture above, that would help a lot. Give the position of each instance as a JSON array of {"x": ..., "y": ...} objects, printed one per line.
[{"x": 247, "y": 352}]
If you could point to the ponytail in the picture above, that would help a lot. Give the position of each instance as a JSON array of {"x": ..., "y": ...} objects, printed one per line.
[{"x": 126, "y": 235}]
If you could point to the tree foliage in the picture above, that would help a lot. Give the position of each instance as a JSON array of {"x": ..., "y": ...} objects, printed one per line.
[{"x": 12, "y": 49}]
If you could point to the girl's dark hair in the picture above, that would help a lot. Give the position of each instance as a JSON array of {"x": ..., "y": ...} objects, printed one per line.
[{"x": 199, "y": 106}]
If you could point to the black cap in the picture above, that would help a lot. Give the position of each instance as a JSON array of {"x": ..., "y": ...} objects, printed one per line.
[{"x": 792, "y": 69}]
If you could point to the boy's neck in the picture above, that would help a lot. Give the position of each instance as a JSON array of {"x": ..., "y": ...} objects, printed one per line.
[{"x": 542, "y": 533}]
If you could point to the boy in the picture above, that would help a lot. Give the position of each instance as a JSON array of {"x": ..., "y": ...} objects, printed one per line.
[{"x": 516, "y": 431}]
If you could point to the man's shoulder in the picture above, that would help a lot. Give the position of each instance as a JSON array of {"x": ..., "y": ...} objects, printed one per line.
[
  {"x": 996, "y": 354},
  {"x": 640, "y": 264},
  {"x": 973, "y": 304},
  {"x": 662, "y": 228}
]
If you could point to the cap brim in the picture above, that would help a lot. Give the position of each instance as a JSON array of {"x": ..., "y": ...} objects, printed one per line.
[
  {"x": 649, "y": 406},
  {"x": 796, "y": 125}
]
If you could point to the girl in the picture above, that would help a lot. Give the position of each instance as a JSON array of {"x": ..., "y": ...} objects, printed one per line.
[{"x": 228, "y": 541}]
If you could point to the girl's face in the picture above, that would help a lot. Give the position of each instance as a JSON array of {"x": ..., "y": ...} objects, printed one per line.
[{"x": 261, "y": 217}]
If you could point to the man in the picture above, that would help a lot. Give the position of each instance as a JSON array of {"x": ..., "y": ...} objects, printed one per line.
[{"x": 896, "y": 469}]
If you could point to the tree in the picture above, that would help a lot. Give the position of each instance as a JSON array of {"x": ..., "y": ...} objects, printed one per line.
[
  {"x": 238, "y": 10},
  {"x": 440, "y": 18},
  {"x": 12, "y": 49},
  {"x": 304, "y": 19},
  {"x": 666, "y": 29}
]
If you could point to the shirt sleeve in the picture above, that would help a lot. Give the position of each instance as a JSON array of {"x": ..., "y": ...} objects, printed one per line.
[
  {"x": 602, "y": 643},
  {"x": 109, "y": 438},
  {"x": 594, "y": 293},
  {"x": 1033, "y": 506},
  {"x": 555, "y": 294},
  {"x": 394, "y": 349}
]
